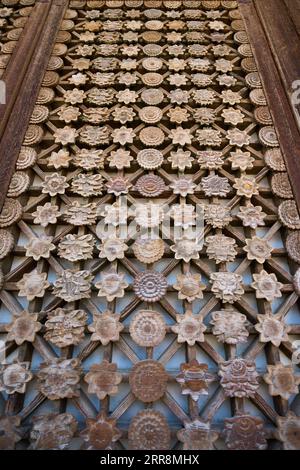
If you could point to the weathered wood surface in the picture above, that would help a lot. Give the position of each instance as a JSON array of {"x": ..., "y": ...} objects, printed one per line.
[
  {"x": 23, "y": 80},
  {"x": 277, "y": 51}
]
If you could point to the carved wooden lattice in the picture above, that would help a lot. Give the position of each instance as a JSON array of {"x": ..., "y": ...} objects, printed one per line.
[{"x": 164, "y": 343}]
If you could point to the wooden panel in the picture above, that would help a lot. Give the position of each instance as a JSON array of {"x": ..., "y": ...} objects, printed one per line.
[
  {"x": 115, "y": 337},
  {"x": 280, "y": 105}
]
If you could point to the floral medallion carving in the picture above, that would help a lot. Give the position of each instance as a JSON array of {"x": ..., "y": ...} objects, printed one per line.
[{"x": 148, "y": 380}]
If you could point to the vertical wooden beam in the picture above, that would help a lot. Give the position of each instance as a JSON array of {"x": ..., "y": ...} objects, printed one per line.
[
  {"x": 279, "y": 103},
  {"x": 20, "y": 113}
]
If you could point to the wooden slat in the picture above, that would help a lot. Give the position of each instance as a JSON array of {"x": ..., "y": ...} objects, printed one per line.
[
  {"x": 281, "y": 109},
  {"x": 15, "y": 129}
]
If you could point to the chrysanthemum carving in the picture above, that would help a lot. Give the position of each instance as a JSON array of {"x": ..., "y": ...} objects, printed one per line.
[
  {"x": 65, "y": 327},
  {"x": 221, "y": 248},
  {"x": 59, "y": 378},
  {"x": 197, "y": 435},
  {"x": 150, "y": 286},
  {"x": 245, "y": 432},
  {"x": 33, "y": 285},
  {"x": 217, "y": 215},
  {"x": 14, "y": 377},
  {"x": 227, "y": 286},
  {"x": 209, "y": 137},
  {"x": 111, "y": 285},
  {"x": 194, "y": 379},
  {"x": 210, "y": 160},
  {"x": 105, "y": 327},
  {"x": 39, "y": 247},
  {"x": 103, "y": 379},
  {"x": 189, "y": 328},
  {"x": 205, "y": 116},
  {"x": 239, "y": 377},
  {"x": 87, "y": 184},
  {"x": 282, "y": 381},
  {"x": 89, "y": 159},
  {"x": 54, "y": 184},
  {"x": 52, "y": 431},
  {"x": 101, "y": 433},
  {"x": 76, "y": 247},
  {"x": 94, "y": 135},
  {"x": 81, "y": 214},
  {"x": 258, "y": 249},
  {"x": 230, "y": 326},
  {"x": 266, "y": 286},
  {"x": 189, "y": 286},
  {"x": 73, "y": 285}
]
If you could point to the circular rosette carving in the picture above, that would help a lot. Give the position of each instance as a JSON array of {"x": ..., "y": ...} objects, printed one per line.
[
  {"x": 239, "y": 378},
  {"x": 293, "y": 246},
  {"x": 150, "y": 186},
  {"x": 152, "y": 79},
  {"x": 274, "y": 159},
  {"x": 152, "y": 64},
  {"x": 6, "y": 243},
  {"x": 148, "y": 250},
  {"x": 152, "y": 136},
  {"x": 150, "y": 286},
  {"x": 148, "y": 380},
  {"x": 263, "y": 116},
  {"x": 245, "y": 432},
  {"x": 11, "y": 212},
  {"x": 268, "y": 136},
  {"x": 281, "y": 186},
  {"x": 150, "y": 114},
  {"x": 288, "y": 215},
  {"x": 147, "y": 328},
  {"x": 149, "y": 430},
  {"x": 152, "y": 96},
  {"x": 27, "y": 158},
  {"x": 150, "y": 159},
  {"x": 19, "y": 183}
]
